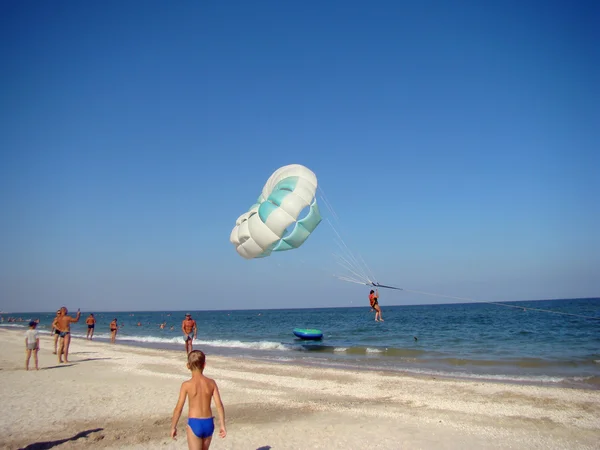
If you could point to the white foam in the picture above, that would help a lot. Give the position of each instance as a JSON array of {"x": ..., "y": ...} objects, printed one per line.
[
  {"x": 463, "y": 375},
  {"x": 582, "y": 378},
  {"x": 96, "y": 335},
  {"x": 150, "y": 339},
  {"x": 260, "y": 345},
  {"x": 373, "y": 350},
  {"x": 514, "y": 378}
]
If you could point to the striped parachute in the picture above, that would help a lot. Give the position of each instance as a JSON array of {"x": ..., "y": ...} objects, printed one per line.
[{"x": 262, "y": 230}]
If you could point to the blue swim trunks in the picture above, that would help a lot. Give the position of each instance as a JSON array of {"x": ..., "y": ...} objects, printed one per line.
[{"x": 202, "y": 428}]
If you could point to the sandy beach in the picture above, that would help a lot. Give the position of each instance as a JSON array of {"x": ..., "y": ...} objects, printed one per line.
[{"x": 117, "y": 396}]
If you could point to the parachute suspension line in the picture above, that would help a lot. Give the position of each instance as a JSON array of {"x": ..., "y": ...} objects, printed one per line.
[
  {"x": 352, "y": 258},
  {"x": 346, "y": 265},
  {"x": 371, "y": 275},
  {"x": 353, "y": 262},
  {"x": 350, "y": 280},
  {"x": 503, "y": 304},
  {"x": 319, "y": 269},
  {"x": 328, "y": 204},
  {"x": 357, "y": 265}
]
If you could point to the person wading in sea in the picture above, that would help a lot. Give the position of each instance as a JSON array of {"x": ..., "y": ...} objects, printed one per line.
[
  {"x": 190, "y": 331},
  {"x": 91, "y": 323},
  {"x": 114, "y": 327}
]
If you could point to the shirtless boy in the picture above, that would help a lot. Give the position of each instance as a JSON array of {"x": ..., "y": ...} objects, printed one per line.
[
  {"x": 91, "y": 323},
  {"x": 188, "y": 326},
  {"x": 63, "y": 325},
  {"x": 200, "y": 390}
]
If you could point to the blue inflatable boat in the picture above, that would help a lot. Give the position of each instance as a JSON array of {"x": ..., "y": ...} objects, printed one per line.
[{"x": 308, "y": 334}]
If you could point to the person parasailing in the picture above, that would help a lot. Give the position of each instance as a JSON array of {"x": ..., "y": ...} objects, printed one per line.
[{"x": 374, "y": 301}]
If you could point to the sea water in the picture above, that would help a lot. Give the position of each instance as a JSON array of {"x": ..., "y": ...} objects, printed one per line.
[{"x": 475, "y": 340}]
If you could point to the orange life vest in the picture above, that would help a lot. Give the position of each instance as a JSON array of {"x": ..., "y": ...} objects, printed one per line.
[{"x": 372, "y": 299}]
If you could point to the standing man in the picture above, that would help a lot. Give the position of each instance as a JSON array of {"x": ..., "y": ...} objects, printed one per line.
[
  {"x": 91, "y": 323},
  {"x": 190, "y": 331},
  {"x": 63, "y": 325},
  {"x": 55, "y": 332}
]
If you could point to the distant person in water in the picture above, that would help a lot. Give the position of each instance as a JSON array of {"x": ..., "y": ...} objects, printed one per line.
[
  {"x": 55, "y": 332},
  {"x": 113, "y": 330},
  {"x": 374, "y": 301},
  {"x": 91, "y": 323},
  {"x": 190, "y": 331},
  {"x": 199, "y": 391},
  {"x": 63, "y": 324}
]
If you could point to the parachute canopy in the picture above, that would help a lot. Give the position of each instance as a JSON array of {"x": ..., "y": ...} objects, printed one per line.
[{"x": 262, "y": 229}]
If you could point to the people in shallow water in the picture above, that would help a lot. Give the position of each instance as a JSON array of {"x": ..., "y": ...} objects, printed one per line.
[
  {"x": 190, "y": 331},
  {"x": 91, "y": 323},
  {"x": 113, "y": 330},
  {"x": 374, "y": 301}
]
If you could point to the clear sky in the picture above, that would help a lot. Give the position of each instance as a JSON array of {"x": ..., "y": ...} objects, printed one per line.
[{"x": 458, "y": 143}]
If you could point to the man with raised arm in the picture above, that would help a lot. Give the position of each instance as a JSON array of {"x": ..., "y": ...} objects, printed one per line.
[{"x": 63, "y": 325}]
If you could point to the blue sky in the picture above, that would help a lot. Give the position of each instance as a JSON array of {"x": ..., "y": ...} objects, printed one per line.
[{"x": 458, "y": 143}]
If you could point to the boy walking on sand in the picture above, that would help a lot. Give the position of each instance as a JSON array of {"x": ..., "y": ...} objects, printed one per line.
[
  {"x": 200, "y": 390},
  {"x": 32, "y": 344}
]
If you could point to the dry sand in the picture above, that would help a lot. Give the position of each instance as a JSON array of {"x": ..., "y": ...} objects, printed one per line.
[{"x": 117, "y": 396}]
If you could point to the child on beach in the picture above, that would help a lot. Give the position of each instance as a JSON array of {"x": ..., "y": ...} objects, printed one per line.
[
  {"x": 32, "y": 344},
  {"x": 200, "y": 390}
]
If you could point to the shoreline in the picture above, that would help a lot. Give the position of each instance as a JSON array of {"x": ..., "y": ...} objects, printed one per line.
[
  {"x": 310, "y": 359},
  {"x": 334, "y": 360},
  {"x": 129, "y": 393}
]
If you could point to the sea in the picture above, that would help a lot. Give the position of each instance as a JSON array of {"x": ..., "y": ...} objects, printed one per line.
[{"x": 540, "y": 342}]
